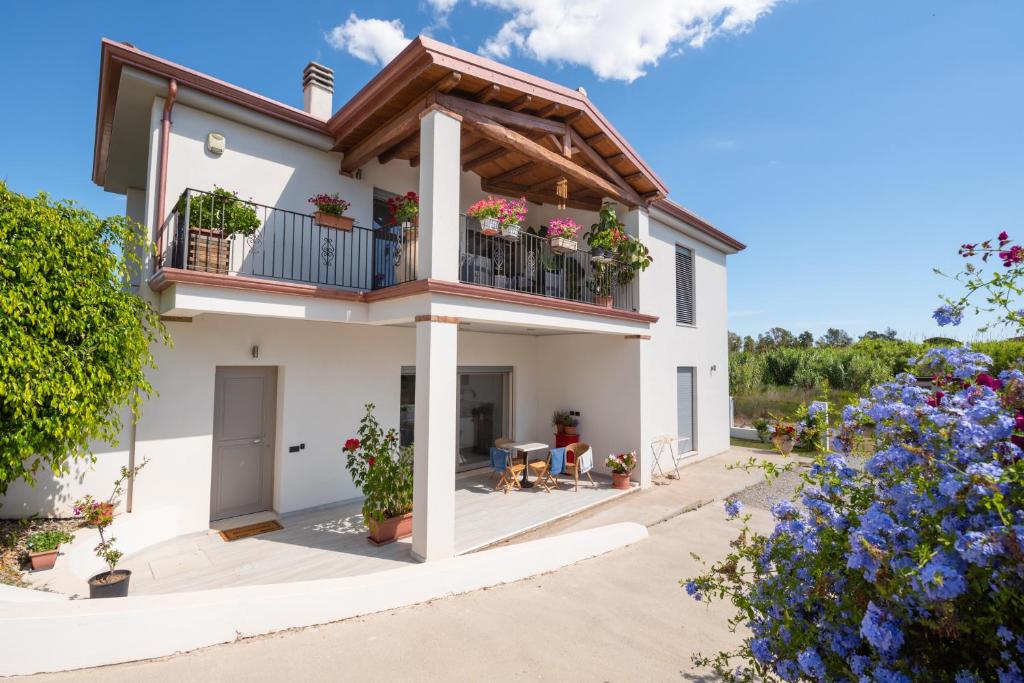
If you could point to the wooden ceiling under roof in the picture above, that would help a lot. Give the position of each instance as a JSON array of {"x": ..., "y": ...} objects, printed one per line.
[{"x": 520, "y": 134}]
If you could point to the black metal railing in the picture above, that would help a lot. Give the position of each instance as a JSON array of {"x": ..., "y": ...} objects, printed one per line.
[
  {"x": 214, "y": 233},
  {"x": 528, "y": 264}
]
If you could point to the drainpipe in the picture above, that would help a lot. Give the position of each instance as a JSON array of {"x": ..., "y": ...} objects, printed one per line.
[{"x": 165, "y": 141}]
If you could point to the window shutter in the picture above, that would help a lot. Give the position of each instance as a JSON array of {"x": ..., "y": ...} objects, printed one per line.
[{"x": 684, "y": 286}]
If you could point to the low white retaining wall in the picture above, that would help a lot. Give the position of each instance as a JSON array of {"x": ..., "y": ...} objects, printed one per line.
[
  {"x": 87, "y": 633},
  {"x": 748, "y": 433}
]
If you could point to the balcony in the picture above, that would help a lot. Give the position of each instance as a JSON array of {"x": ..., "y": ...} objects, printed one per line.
[
  {"x": 529, "y": 265},
  {"x": 202, "y": 234},
  {"x": 222, "y": 235}
]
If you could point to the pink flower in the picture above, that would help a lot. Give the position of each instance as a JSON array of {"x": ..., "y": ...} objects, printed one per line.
[{"x": 989, "y": 381}]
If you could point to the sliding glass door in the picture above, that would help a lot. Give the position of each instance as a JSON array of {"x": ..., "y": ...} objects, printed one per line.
[{"x": 483, "y": 412}]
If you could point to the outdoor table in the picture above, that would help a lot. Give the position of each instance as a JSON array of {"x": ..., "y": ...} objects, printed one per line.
[{"x": 526, "y": 449}]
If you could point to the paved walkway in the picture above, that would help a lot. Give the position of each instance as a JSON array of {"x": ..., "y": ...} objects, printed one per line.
[{"x": 619, "y": 617}]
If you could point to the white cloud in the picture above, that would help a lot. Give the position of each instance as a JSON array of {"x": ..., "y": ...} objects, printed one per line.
[
  {"x": 376, "y": 41},
  {"x": 442, "y": 6},
  {"x": 615, "y": 39}
]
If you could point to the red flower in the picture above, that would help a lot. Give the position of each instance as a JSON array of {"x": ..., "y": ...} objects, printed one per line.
[
  {"x": 372, "y": 461},
  {"x": 1018, "y": 423},
  {"x": 352, "y": 445},
  {"x": 989, "y": 381},
  {"x": 1003, "y": 237}
]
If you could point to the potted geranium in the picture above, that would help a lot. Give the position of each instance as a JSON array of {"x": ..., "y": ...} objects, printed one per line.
[
  {"x": 330, "y": 210},
  {"x": 512, "y": 213},
  {"x": 621, "y": 464},
  {"x": 562, "y": 233},
  {"x": 488, "y": 212},
  {"x": 382, "y": 469},
  {"x": 784, "y": 435},
  {"x": 43, "y": 547},
  {"x": 213, "y": 218},
  {"x": 112, "y": 583},
  {"x": 404, "y": 208}
]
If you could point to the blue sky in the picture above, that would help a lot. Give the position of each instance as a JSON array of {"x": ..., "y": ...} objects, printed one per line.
[{"x": 851, "y": 145}]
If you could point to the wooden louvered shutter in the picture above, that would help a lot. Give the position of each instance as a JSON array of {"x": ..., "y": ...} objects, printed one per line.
[{"x": 684, "y": 286}]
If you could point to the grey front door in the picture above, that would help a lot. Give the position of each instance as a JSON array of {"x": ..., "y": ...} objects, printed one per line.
[
  {"x": 244, "y": 413},
  {"x": 684, "y": 408}
]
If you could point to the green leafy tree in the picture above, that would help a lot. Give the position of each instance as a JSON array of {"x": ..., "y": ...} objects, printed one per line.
[
  {"x": 805, "y": 339},
  {"x": 74, "y": 339},
  {"x": 749, "y": 345},
  {"x": 735, "y": 342},
  {"x": 873, "y": 335},
  {"x": 835, "y": 338}
]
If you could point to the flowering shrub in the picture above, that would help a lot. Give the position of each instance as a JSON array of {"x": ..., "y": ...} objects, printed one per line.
[
  {"x": 486, "y": 208},
  {"x": 813, "y": 421},
  {"x": 563, "y": 227},
  {"x": 100, "y": 514},
  {"x": 621, "y": 463},
  {"x": 330, "y": 204},
  {"x": 911, "y": 568},
  {"x": 381, "y": 468},
  {"x": 404, "y": 208},
  {"x": 1001, "y": 289}
]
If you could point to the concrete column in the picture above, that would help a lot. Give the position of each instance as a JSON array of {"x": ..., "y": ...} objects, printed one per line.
[
  {"x": 440, "y": 152},
  {"x": 433, "y": 525}
]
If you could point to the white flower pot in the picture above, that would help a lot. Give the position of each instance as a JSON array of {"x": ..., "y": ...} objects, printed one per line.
[
  {"x": 563, "y": 245},
  {"x": 490, "y": 226},
  {"x": 510, "y": 231}
]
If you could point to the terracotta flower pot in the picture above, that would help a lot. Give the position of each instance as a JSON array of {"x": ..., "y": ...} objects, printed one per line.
[
  {"x": 329, "y": 220},
  {"x": 785, "y": 445},
  {"x": 390, "y": 530},
  {"x": 107, "y": 509},
  {"x": 605, "y": 301},
  {"x": 43, "y": 560},
  {"x": 620, "y": 481},
  {"x": 110, "y": 584},
  {"x": 570, "y": 430}
]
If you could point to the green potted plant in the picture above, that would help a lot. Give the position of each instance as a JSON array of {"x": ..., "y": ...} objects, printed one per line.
[
  {"x": 603, "y": 234},
  {"x": 404, "y": 210},
  {"x": 569, "y": 426},
  {"x": 488, "y": 212},
  {"x": 621, "y": 464},
  {"x": 213, "y": 217},
  {"x": 558, "y": 419},
  {"x": 562, "y": 233},
  {"x": 112, "y": 583},
  {"x": 382, "y": 469},
  {"x": 43, "y": 547},
  {"x": 330, "y": 210}
]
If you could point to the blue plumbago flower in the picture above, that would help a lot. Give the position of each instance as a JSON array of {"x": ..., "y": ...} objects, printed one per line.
[
  {"x": 885, "y": 675},
  {"x": 733, "y": 508},
  {"x": 948, "y": 315},
  {"x": 693, "y": 590},
  {"x": 880, "y": 630},
  {"x": 941, "y": 578},
  {"x": 811, "y": 664},
  {"x": 978, "y": 547},
  {"x": 964, "y": 676},
  {"x": 761, "y": 649},
  {"x": 787, "y": 670}
]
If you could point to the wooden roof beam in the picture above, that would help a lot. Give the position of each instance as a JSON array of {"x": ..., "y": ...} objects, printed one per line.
[
  {"x": 550, "y": 110},
  {"x": 594, "y": 139},
  {"x": 599, "y": 163},
  {"x": 396, "y": 129},
  {"x": 616, "y": 158},
  {"x": 488, "y": 93},
  {"x": 538, "y": 197},
  {"x": 512, "y": 173},
  {"x": 633, "y": 176},
  {"x": 521, "y": 103},
  {"x": 449, "y": 82},
  {"x": 517, "y": 142},
  {"x": 459, "y": 105},
  {"x": 488, "y": 157},
  {"x": 409, "y": 144}
]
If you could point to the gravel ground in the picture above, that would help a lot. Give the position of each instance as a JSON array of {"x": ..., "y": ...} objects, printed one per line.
[
  {"x": 13, "y": 535},
  {"x": 766, "y": 494}
]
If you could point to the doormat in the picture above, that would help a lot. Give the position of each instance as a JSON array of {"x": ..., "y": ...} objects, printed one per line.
[{"x": 250, "y": 530}]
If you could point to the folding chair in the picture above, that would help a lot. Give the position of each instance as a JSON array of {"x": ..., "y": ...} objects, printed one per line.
[
  {"x": 501, "y": 463},
  {"x": 659, "y": 445},
  {"x": 543, "y": 476}
]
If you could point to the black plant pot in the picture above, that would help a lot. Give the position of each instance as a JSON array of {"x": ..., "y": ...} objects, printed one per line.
[{"x": 117, "y": 588}]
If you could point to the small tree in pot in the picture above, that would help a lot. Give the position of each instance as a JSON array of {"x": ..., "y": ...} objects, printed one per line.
[
  {"x": 112, "y": 583},
  {"x": 382, "y": 469},
  {"x": 213, "y": 217}
]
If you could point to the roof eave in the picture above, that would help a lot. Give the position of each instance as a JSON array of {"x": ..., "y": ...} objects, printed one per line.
[{"x": 685, "y": 215}]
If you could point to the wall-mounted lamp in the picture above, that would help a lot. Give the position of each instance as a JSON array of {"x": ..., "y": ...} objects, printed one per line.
[
  {"x": 713, "y": 368},
  {"x": 255, "y": 351},
  {"x": 215, "y": 144}
]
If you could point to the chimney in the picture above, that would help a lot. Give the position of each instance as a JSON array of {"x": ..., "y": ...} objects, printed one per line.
[{"x": 318, "y": 90}]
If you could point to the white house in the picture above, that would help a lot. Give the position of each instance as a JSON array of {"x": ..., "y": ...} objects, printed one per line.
[{"x": 458, "y": 338}]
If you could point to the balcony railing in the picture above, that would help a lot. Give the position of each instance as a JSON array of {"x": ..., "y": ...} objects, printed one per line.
[
  {"x": 283, "y": 245},
  {"x": 529, "y": 265}
]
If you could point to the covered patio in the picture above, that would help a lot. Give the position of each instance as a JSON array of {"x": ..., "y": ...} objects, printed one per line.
[{"x": 331, "y": 542}]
